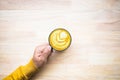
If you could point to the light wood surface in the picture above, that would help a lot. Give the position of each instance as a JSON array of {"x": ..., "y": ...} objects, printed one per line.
[{"x": 94, "y": 26}]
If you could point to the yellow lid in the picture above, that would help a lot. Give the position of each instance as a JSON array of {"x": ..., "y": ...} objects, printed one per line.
[{"x": 60, "y": 39}]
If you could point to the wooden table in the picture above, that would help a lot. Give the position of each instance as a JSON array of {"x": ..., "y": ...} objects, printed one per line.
[{"x": 94, "y": 26}]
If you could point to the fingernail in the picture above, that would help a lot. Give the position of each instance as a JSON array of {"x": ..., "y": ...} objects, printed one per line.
[{"x": 49, "y": 48}]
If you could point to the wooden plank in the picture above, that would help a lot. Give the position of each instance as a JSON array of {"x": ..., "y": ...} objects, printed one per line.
[{"x": 94, "y": 26}]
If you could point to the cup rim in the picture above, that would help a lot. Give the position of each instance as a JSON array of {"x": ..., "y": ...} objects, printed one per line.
[{"x": 64, "y": 30}]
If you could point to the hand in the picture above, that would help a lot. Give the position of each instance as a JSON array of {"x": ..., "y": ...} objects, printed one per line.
[{"x": 41, "y": 54}]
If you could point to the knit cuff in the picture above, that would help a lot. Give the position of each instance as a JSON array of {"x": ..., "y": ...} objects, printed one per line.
[{"x": 29, "y": 69}]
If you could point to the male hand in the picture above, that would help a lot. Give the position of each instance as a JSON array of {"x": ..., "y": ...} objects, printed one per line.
[{"x": 41, "y": 54}]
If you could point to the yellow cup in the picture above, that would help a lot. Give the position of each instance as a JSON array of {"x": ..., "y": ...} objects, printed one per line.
[{"x": 60, "y": 39}]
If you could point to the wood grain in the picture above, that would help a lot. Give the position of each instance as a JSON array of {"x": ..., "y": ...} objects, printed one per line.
[{"x": 94, "y": 26}]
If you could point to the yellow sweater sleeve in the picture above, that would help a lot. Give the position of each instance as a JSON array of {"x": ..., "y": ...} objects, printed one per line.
[{"x": 23, "y": 72}]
